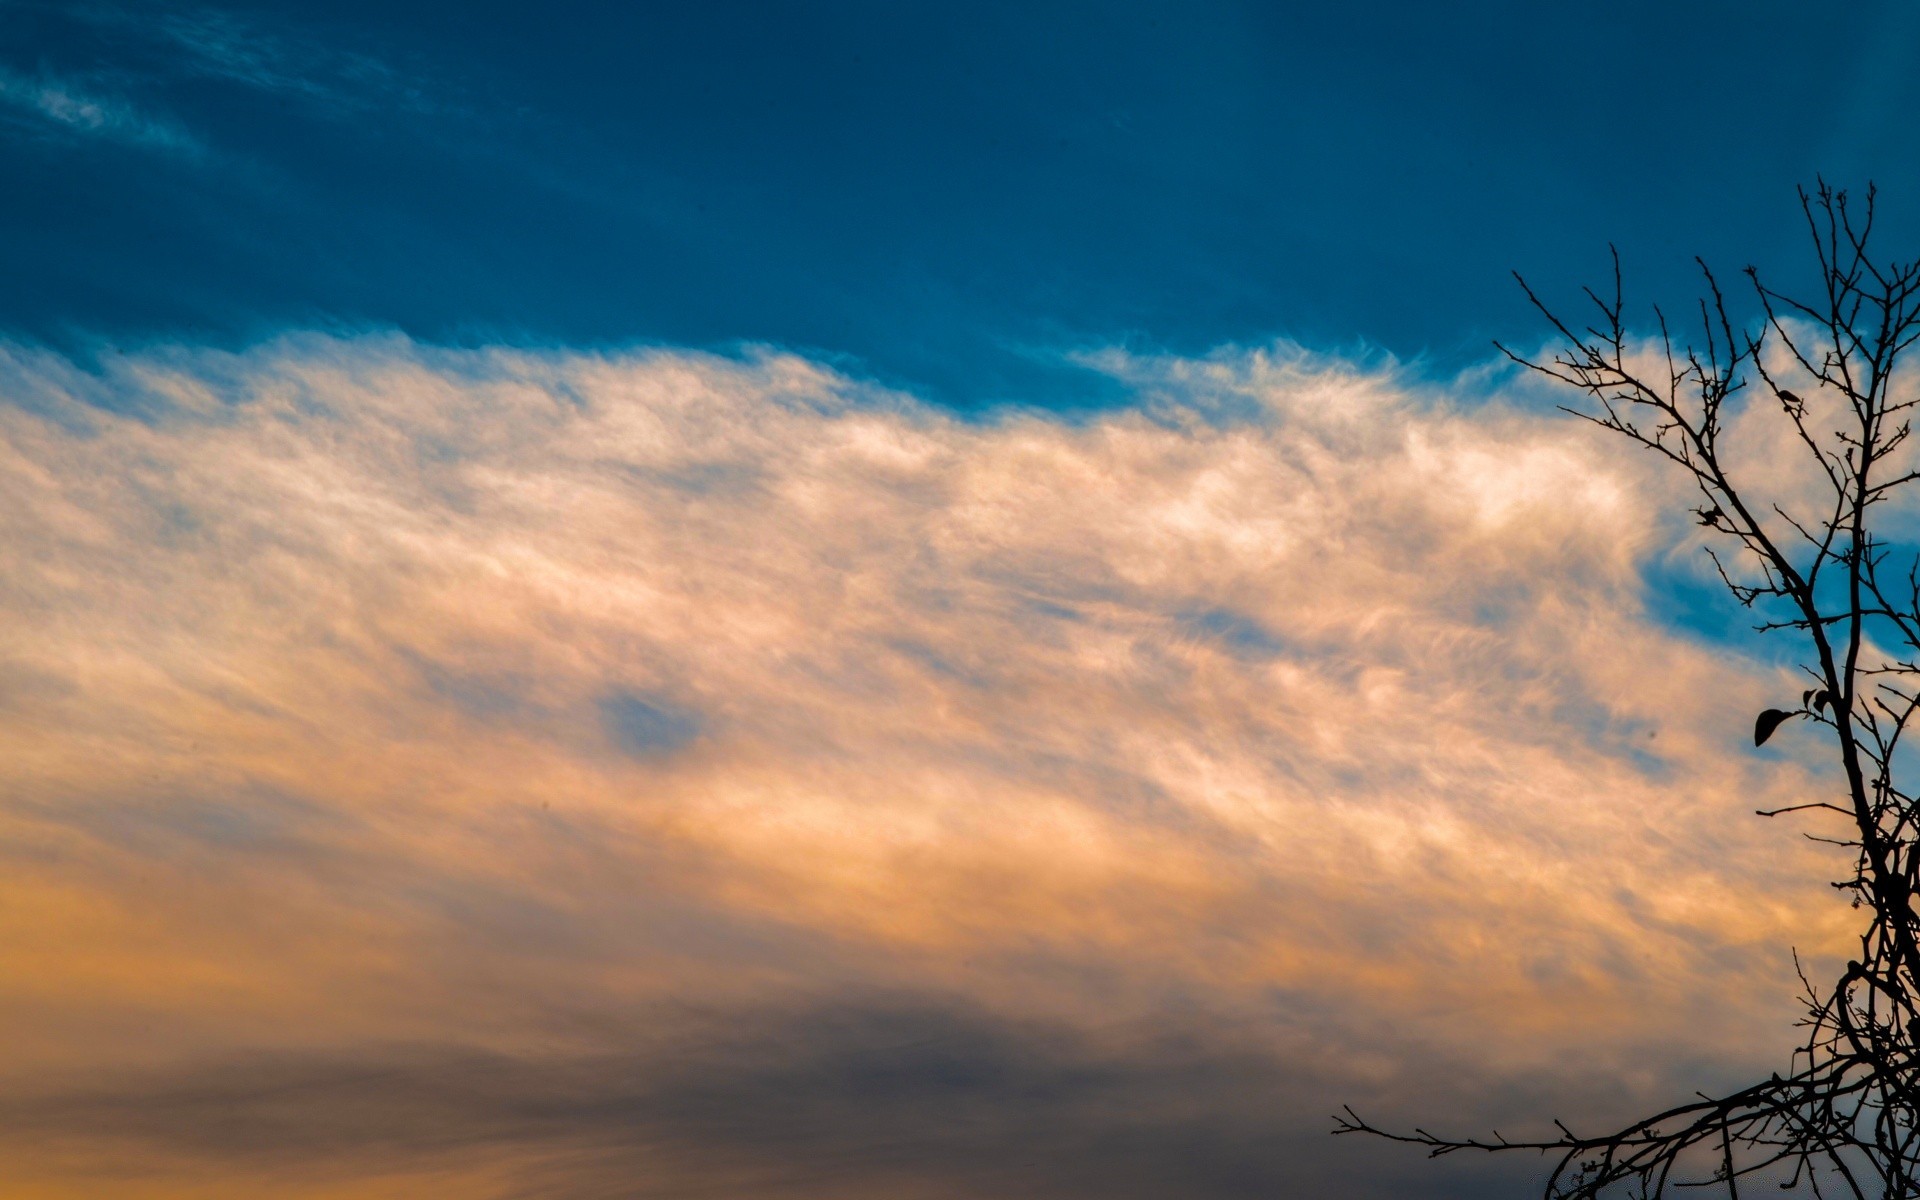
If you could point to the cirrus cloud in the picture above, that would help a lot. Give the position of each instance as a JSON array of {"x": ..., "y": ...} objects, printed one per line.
[{"x": 532, "y": 710}]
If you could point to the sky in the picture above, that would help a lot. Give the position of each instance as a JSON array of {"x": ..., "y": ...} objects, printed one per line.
[{"x": 877, "y": 601}]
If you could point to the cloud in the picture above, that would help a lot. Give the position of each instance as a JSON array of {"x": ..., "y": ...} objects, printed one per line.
[
  {"x": 73, "y": 108},
  {"x": 125, "y": 75},
  {"x": 217, "y": 44},
  {"x": 362, "y": 694},
  {"x": 872, "y": 1095}
]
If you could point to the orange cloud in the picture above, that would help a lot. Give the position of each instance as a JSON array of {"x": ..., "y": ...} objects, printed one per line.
[{"x": 360, "y": 693}]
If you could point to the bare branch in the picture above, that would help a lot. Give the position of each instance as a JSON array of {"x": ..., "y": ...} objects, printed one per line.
[{"x": 1845, "y": 1120}]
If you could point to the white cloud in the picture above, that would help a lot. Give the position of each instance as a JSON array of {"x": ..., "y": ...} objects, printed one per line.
[
  {"x": 74, "y": 108},
  {"x": 458, "y": 687}
]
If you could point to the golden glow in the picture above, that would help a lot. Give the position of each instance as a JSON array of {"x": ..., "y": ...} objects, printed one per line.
[{"x": 361, "y": 694}]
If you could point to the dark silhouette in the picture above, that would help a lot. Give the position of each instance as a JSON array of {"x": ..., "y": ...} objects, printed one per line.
[{"x": 1815, "y": 563}]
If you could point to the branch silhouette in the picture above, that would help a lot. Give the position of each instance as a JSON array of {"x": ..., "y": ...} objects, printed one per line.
[{"x": 1843, "y": 1120}]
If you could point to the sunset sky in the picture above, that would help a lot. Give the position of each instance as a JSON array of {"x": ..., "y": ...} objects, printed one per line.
[{"x": 878, "y": 602}]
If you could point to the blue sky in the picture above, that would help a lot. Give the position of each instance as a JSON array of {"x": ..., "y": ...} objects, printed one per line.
[
  {"x": 858, "y": 601},
  {"x": 943, "y": 197}
]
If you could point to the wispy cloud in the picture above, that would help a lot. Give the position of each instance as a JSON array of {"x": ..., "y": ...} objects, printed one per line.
[
  {"x": 73, "y": 108},
  {"x": 119, "y": 78},
  {"x": 282, "y": 57},
  {"x": 361, "y": 694},
  {"x": 221, "y": 45}
]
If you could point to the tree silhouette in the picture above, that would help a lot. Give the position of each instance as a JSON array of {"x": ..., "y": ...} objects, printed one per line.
[{"x": 1828, "y": 565}]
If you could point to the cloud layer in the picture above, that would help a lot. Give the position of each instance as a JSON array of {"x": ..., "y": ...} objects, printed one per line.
[{"x": 664, "y": 774}]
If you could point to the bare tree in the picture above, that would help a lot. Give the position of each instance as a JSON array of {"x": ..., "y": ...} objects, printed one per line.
[{"x": 1830, "y": 568}]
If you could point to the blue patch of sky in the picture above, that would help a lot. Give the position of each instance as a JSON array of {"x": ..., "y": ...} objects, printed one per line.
[
  {"x": 930, "y": 659},
  {"x": 647, "y": 726},
  {"x": 1688, "y": 597},
  {"x": 946, "y": 197},
  {"x": 1236, "y": 632},
  {"x": 640, "y": 724},
  {"x": 1691, "y": 598},
  {"x": 482, "y": 696}
]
